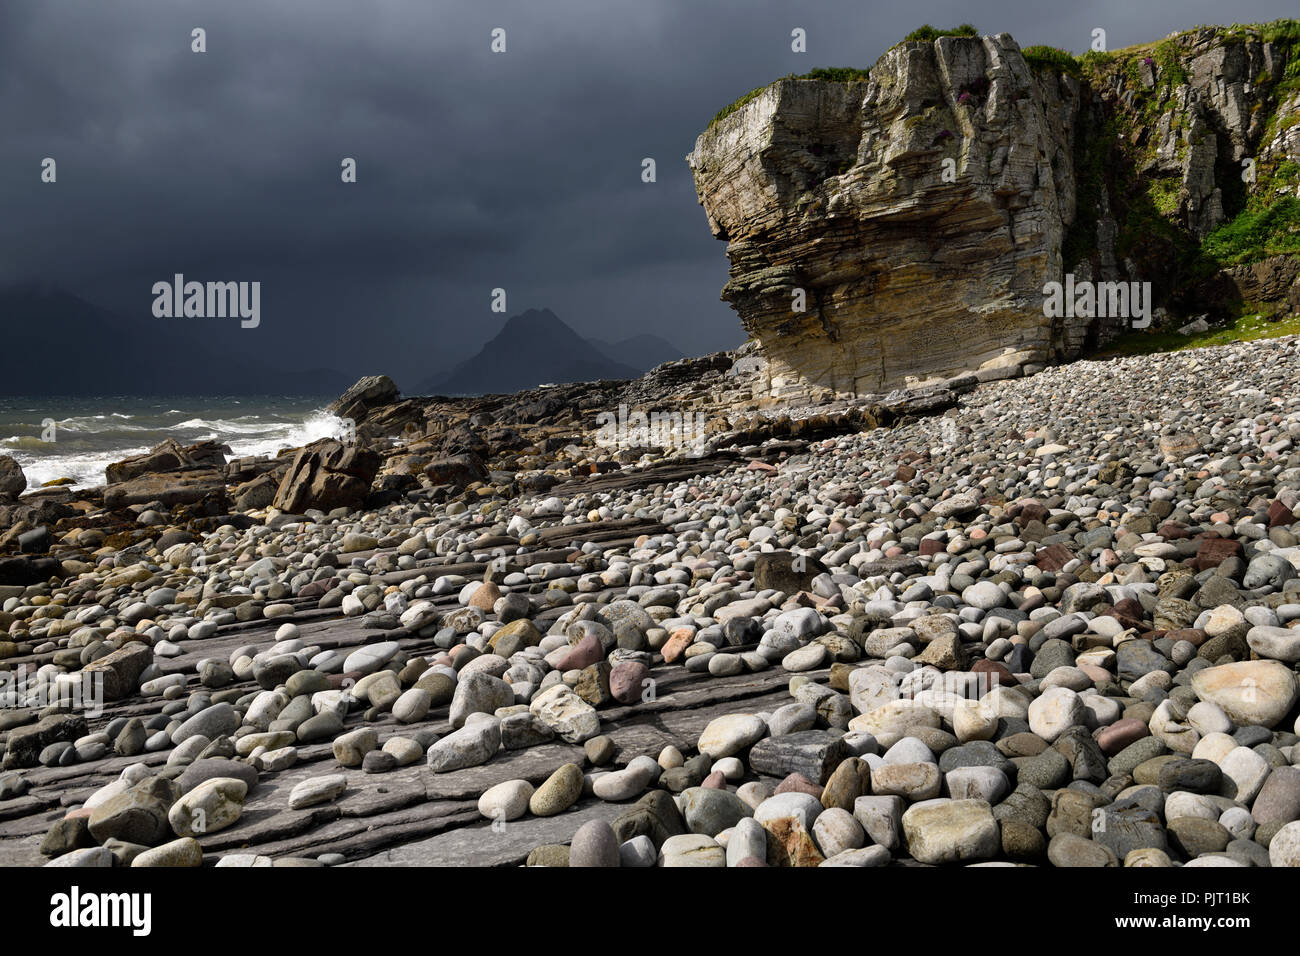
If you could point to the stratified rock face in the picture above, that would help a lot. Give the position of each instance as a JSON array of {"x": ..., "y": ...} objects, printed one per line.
[{"x": 839, "y": 189}]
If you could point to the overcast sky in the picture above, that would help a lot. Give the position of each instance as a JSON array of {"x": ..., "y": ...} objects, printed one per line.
[{"x": 476, "y": 170}]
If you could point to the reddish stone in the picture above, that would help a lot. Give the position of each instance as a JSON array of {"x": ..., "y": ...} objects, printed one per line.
[
  {"x": 1128, "y": 612},
  {"x": 999, "y": 675},
  {"x": 798, "y": 783},
  {"x": 627, "y": 681},
  {"x": 715, "y": 781},
  {"x": 1173, "y": 531},
  {"x": 677, "y": 643},
  {"x": 905, "y": 473},
  {"x": 1032, "y": 511},
  {"x": 1053, "y": 558},
  {"x": 318, "y": 588},
  {"x": 1213, "y": 551},
  {"x": 1120, "y": 734},
  {"x": 1097, "y": 674},
  {"x": 761, "y": 466},
  {"x": 931, "y": 546},
  {"x": 1279, "y": 514},
  {"x": 583, "y": 654},
  {"x": 1191, "y": 634},
  {"x": 485, "y": 596}
]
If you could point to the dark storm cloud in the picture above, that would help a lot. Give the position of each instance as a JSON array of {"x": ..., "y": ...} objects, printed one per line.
[{"x": 476, "y": 170}]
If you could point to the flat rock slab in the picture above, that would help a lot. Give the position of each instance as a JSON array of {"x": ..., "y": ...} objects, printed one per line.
[{"x": 507, "y": 845}]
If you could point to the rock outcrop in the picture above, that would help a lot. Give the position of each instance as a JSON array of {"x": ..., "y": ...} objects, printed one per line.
[
  {"x": 897, "y": 226},
  {"x": 169, "y": 456},
  {"x": 327, "y": 475}
]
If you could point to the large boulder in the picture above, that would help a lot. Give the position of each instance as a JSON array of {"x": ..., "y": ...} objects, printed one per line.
[
  {"x": 12, "y": 480},
  {"x": 166, "y": 457},
  {"x": 327, "y": 474},
  {"x": 459, "y": 470},
  {"x": 369, "y": 392}
]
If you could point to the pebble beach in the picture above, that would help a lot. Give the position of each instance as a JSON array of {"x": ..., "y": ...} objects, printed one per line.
[{"x": 1055, "y": 623}]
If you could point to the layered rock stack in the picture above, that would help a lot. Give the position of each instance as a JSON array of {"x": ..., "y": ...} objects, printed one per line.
[{"x": 899, "y": 226}]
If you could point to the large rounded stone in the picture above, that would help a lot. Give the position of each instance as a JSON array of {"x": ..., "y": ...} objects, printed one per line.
[
  {"x": 692, "y": 849},
  {"x": 558, "y": 792},
  {"x": 506, "y": 801},
  {"x": 594, "y": 845},
  {"x": 731, "y": 734},
  {"x": 1284, "y": 848},
  {"x": 1055, "y": 711},
  {"x": 1250, "y": 692},
  {"x": 710, "y": 811},
  {"x": 211, "y": 806},
  {"x": 138, "y": 815},
  {"x": 951, "y": 831},
  {"x": 479, "y": 694},
  {"x": 184, "y": 852}
]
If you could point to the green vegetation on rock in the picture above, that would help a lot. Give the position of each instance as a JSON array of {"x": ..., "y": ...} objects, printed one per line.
[
  {"x": 928, "y": 34},
  {"x": 1249, "y": 325},
  {"x": 1053, "y": 58},
  {"x": 1254, "y": 235}
]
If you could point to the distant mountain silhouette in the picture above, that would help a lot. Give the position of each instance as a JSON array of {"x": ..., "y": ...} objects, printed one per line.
[
  {"x": 534, "y": 348},
  {"x": 642, "y": 352},
  {"x": 59, "y": 344}
]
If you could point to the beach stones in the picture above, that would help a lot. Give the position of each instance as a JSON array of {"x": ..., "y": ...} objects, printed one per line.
[
  {"x": 813, "y": 753},
  {"x": 211, "y": 806},
  {"x": 1055, "y": 711},
  {"x": 692, "y": 849},
  {"x": 1249, "y": 692},
  {"x": 479, "y": 694},
  {"x": 594, "y": 844},
  {"x": 506, "y": 801},
  {"x": 350, "y": 749},
  {"x": 558, "y": 792},
  {"x": 184, "y": 852},
  {"x": 1278, "y": 800},
  {"x": 317, "y": 790},
  {"x": 568, "y": 715},
  {"x": 951, "y": 831},
  {"x": 729, "y": 735},
  {"x": 1275, "y": 643},
  {"x": 710, "y": 811},
  {"x": 473, "y": 744},
  {"x": 1284, "y": 848},
  {"x": 211, "y": 722},
  {"x": 1071, "y": 850},
  {"x": 136, "y": 815}
]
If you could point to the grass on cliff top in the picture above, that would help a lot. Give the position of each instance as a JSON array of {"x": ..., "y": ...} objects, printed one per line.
[
  {"x": 1053, "y": 58},
  {"x": 1164, "y": 53},
  {"x": 928, "y": 34},
  {"x": 1248, "y": 327}
]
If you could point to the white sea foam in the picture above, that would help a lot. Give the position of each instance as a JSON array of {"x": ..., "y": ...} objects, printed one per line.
[{"x": 246, "y": 436}]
